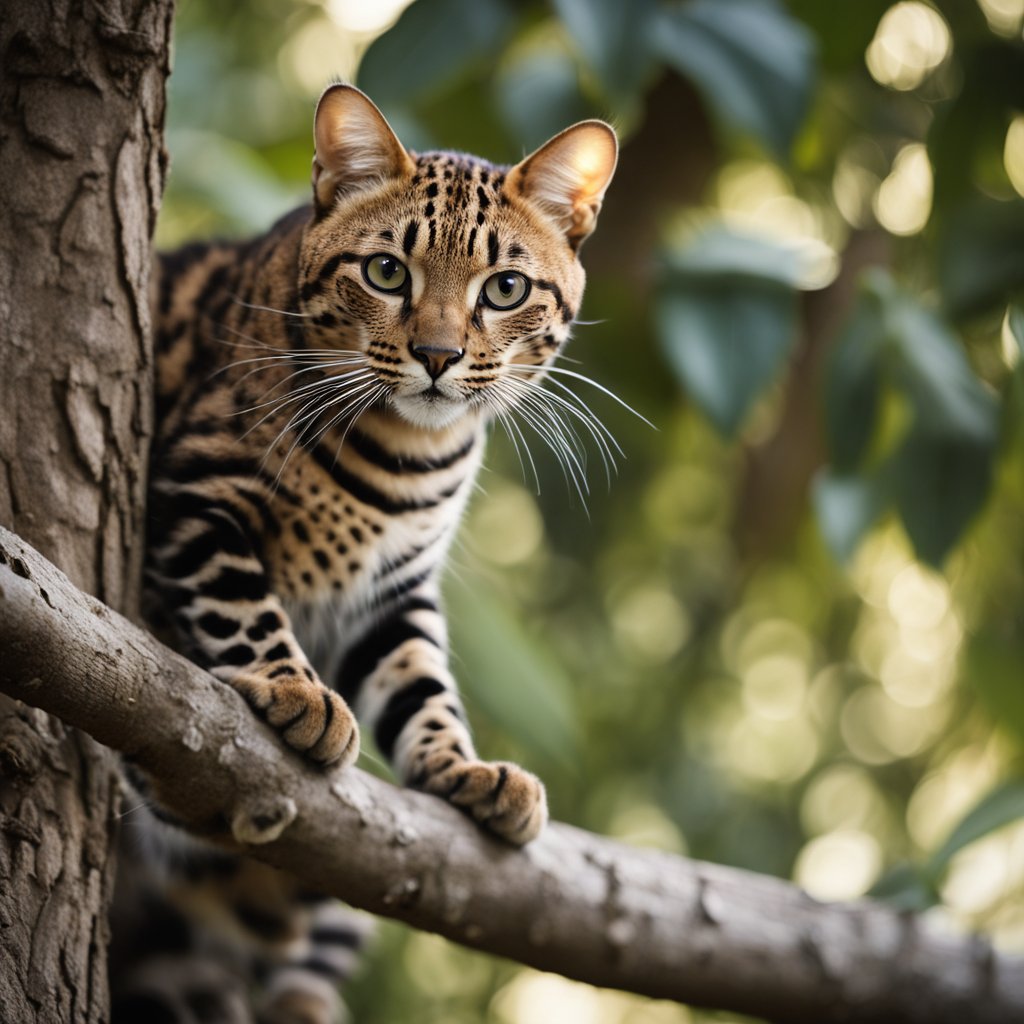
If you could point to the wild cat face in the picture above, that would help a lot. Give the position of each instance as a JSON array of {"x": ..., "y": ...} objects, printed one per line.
[{"x": 453, "y": 278}]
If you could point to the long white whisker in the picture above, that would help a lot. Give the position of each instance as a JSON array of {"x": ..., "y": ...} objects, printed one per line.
[
  {"x": 603, "y": 438},
  {"x": 347, "y": 397},
  {"x": 296, "y": 394},
  {"x": 268, "y": 309},
  {"x": 592, "y": 383},
  {"x": 539, "y": 420},
  {"x": 514, "y": 434}
]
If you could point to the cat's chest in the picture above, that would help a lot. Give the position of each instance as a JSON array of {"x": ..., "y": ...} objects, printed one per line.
[{"x": 349, "y": 534}]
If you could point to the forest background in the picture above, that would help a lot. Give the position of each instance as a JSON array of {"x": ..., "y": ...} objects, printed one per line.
[{"x": 786, "y": 631}]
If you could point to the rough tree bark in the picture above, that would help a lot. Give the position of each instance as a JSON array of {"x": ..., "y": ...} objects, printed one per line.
[
  {"x": 579, "y": 904},
  {"x": 81, "y": 167}
]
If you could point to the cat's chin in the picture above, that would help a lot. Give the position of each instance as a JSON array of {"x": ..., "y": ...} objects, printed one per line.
[{"x": 429, "y": 411}]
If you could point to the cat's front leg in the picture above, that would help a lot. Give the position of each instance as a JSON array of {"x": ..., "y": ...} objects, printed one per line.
[
  {"x": 397, "y": 678},
  {"x": 207, "y": 571}
]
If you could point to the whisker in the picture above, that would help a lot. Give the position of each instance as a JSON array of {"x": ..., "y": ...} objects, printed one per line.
[
  {"x": 603, "y": 437},
  {"x": 592, "y": 383},
  {"x": 538, "y": 418},
  {"x": 268, "y": 309}
]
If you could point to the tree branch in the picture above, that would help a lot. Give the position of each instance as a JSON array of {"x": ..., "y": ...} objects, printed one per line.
[{"x": 579, "y": 904}]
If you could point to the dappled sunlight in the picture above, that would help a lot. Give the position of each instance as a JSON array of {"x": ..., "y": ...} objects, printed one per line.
[
  {"x": 644, "y": 824},
  {"x": 1004, "y": 16},
  {"x": 507, "y": 527},
  {"x": 904, "y": 199},
  {"x": 987, "y": 875},
  {"x": 532, "y": 997},
  {"x": 911, "y": 41},
  {"x": 946, "y": 793},
  {"x": 845, "y": 796},
  {"x": 649, "y": 623},
  {"x": 839, "y": 865},
  {"x": 757, "y": 197},
  {"x": 1013, "y": 153},
  {"x": 760, "y": 749}
]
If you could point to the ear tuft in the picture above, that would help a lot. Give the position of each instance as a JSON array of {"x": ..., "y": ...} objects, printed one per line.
[
  {"x": 355, "y": 146},
  {"x": 568, "y": 175}
]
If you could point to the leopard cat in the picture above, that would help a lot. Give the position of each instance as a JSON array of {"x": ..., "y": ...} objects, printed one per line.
[{"x": 323, "y": 396}]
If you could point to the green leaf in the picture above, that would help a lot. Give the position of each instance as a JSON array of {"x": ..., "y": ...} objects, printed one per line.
[
  {"x": 538, "y": 93},
  {"x": 752, "y": 62},
  {"x": 726, "y": 341},
  {"x": 981, "y": 256},
  {"x": 726, "y": 316},
  {"x": 1002, "y": 806},
  {"x": 940, "y": 483},
  {"x": 940, "y": 472},
  {"x": 508, "y": 675},
  {"x": 853, "y": 385},
  {"x": 612, "y": 36},
  {"x": 947, "y": 397},
  {"x": 847, "y": 507},
  {"x": 995, "y": 668},
  {"x": 723, "y": 254},
  {"x": 843, "y": 28},
  {"x": 431, "y": 46},
  {"x": 907, "y": 887}
]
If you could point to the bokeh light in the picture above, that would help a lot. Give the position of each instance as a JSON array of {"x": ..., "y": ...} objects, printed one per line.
[{"x": 912, "y": 40}]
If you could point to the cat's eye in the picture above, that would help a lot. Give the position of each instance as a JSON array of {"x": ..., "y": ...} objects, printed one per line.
[
  {"x": 385, "y": 273},
  {"x": 505, "y": 290}
]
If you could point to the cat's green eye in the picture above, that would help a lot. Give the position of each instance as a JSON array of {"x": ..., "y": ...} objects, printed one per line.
[
  {"x": 505, "y": 290},
  {"x": 385, "y": 273}
]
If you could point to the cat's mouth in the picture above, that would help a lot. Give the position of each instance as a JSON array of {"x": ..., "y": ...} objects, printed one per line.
[{"x": 431, "y": 406}]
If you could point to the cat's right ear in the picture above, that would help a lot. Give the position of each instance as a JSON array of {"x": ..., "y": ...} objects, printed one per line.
[{"x": 355, "y": 146}]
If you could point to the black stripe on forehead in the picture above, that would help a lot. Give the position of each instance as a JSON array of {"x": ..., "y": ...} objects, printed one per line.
[
  {"x": 410, "y": 237},
  {"x": 493, "y": 248}
]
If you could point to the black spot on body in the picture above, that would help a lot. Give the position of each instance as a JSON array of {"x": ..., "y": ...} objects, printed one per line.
[
  {"x": 239, "y": 654},
  {"x": 264, "y": 625},
  {"x": 232, "y": 584},
  {"x": 218, "y": 626}
]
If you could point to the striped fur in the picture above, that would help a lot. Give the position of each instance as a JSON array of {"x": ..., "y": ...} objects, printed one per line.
[{"x": 319, "y": 434}]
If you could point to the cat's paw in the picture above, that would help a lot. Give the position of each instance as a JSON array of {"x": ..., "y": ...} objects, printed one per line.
[
  {"x": 502, "y": 797},
  {"x": 310, "y": 718}
]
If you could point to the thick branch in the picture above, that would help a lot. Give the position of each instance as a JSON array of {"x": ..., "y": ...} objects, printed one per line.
[{"x": 572, "y": 902}]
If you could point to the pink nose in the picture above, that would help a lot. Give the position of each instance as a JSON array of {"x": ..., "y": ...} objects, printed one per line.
[{"x": 436, "y": 358}]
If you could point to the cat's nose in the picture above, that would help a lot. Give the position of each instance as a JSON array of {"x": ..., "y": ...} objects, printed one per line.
[{"x": 436, "y": 358}]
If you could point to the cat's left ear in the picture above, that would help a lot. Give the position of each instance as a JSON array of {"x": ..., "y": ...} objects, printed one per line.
[
  {"x": 568, "y": 175},
  {"x": 355, "y": 146}
]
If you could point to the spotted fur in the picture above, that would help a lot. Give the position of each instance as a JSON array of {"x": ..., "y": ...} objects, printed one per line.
[{"x": 318, "y": 437}]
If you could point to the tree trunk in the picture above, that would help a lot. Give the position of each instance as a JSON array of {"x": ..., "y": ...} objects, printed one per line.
[{"x": 82, "y": 166}]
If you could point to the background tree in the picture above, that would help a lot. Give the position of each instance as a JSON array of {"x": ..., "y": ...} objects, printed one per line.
[{"x": 82, "y": 166}]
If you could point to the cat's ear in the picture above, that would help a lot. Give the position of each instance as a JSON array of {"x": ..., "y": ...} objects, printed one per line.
[
  {"x": 355, "y": 146},
  {"x": 568, "y": 175}
]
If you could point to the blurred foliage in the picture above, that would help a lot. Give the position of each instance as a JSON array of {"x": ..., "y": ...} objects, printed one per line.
[{"x": 789, "y": 636}]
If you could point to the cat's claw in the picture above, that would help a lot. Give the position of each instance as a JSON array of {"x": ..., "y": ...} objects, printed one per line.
[
  {"x": 311, "y": 719},
  {"x": 505, "y": 799}
]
